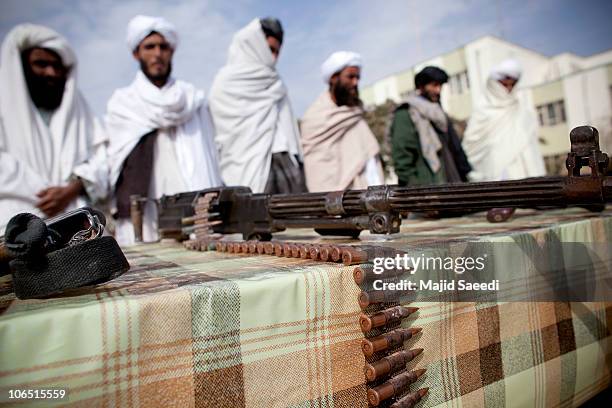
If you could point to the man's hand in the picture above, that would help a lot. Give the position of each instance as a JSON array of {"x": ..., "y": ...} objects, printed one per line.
[{"x": 54, "y": 200}]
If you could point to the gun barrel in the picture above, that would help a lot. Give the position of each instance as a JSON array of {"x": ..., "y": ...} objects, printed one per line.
[
  {"x": 544, "y": 191},
  {"x": 526, "y": 193}
]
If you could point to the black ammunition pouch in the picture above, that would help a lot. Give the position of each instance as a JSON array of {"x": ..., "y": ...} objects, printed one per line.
[{"x": 67, "y": 252}]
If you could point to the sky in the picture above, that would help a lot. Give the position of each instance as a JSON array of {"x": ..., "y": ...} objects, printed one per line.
[{"x": 391, "y": 35}]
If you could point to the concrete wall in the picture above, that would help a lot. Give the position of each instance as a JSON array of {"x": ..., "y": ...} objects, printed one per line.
[
  {"x": 460, "y": 106},
  {"x": 454, "y": 62},
  {"x": 562, "y": 65},
  {"x": 588, "y": 97},
  {"x": 555, "y": 139},
  {"x": 588, "y": 102},
  {"x": 386, "y": 89},
  {"x": 603, "y": 58},
  {"x": 367, "y": 95},
  {"x": 405, "y": 82},
  {"x": 547, "y": 93}
]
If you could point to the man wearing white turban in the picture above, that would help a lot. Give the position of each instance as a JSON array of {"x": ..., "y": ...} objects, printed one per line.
[
  {"x": 257, "y": 134},
  {"x": 52, "y": 149},
  {"x": 501, "y": 137},
  {"x": 340, "y": 150},
  {"x": 161, "y": 135}
]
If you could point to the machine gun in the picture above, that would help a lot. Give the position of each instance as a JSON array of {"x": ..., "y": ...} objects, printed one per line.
[{"x": 229, "y": 210}]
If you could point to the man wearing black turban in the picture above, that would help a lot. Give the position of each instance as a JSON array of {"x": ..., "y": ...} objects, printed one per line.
[{"x": 426, "y": 148}]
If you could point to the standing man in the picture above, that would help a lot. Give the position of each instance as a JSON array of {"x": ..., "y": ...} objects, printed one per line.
[
  {"x": 52, "y": 149},
  {"x": 257, "y": 134},
  {"x": 501, "y": 138},
  {"x": 426, "y": 148},
  {"x": 340, "y": 150},
  {"x": 161, "y": 136}
]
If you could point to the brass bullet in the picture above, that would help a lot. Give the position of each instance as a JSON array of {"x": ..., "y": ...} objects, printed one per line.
[
  {"x": 395, "y": 386},
  {"x": 387, "y": 341}
]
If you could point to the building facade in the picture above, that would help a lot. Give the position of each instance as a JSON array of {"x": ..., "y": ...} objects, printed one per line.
[{"x": 565, "y": 90}]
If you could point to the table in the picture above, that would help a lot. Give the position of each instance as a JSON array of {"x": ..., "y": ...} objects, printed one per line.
[{"x": 211, "y": 329}]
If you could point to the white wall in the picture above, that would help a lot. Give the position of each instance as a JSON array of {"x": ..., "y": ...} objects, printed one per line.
[
  {"x": 598, "y": 59},
  {"x": 562, "y": 65},
  {"x": 587, "y": 101},
  {"x": 386, "y": 88}
]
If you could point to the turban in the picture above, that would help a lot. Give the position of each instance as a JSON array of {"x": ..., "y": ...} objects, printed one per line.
[
  {"x": 27, "y": 36},
  {"x": 430, "y": 74},
  {"x": 509, "y": 68},
  {"x": 272, "y": 28},
  {"x": 141, "y": 26},
  {"x": 338, "y": 61}
]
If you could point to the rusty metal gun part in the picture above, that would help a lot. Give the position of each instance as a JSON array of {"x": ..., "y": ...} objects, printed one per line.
[
  {"x": 137, "y": 204},
  {"x": 378, "y": 209}
]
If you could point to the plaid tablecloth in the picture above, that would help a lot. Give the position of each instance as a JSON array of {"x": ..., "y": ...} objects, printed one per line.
[{"x": 210, "y": 329}]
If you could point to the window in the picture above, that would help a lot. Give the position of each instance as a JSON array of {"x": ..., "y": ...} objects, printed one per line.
[
  {"x": 459, "y": 83},
  {"x": 561, "y": 106},
  {"x": 551, "y": 114},
  {"x": 466, "y": 80},
  {"x": 541, "y": 116},
  {"x": 552, "y": 119}
]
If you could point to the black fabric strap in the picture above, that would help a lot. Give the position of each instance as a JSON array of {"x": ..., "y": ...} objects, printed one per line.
[
  {"x": 26, "y": 234},
  {"x": 44, "y": 260},
  {"x": 88, "y": 263}
]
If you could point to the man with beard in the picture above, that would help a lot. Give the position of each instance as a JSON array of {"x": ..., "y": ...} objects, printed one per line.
[
  {"x": 161, "y": 135},
  {"x": 340, "y": 150},
  {"x": 256, "y": 132},
  {"x": 52, "y": 150},
  {"x": 425, "y": 147}
]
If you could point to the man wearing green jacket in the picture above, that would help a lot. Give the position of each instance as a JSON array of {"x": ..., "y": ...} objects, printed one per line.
[{"x": 426, "y": 148}]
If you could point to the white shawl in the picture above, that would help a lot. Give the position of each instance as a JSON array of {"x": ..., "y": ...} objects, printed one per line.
[
  {"x": 34, "y": 155},
  {"x": 142, "y": 107},
  {"x": 251, "y": 111},
  {"x": 501, "y": 138}
]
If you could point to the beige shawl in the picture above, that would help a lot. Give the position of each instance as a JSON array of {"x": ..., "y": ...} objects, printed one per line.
[{"x": 337, "y": 145}]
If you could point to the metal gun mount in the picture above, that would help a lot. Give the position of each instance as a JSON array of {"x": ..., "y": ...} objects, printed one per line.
[
  {"x": 228, "y": 210},
  {"x": 585, "y": 151}
]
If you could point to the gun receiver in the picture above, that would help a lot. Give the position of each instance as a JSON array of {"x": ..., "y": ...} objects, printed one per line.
[{"x": 377, "y": 209}]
